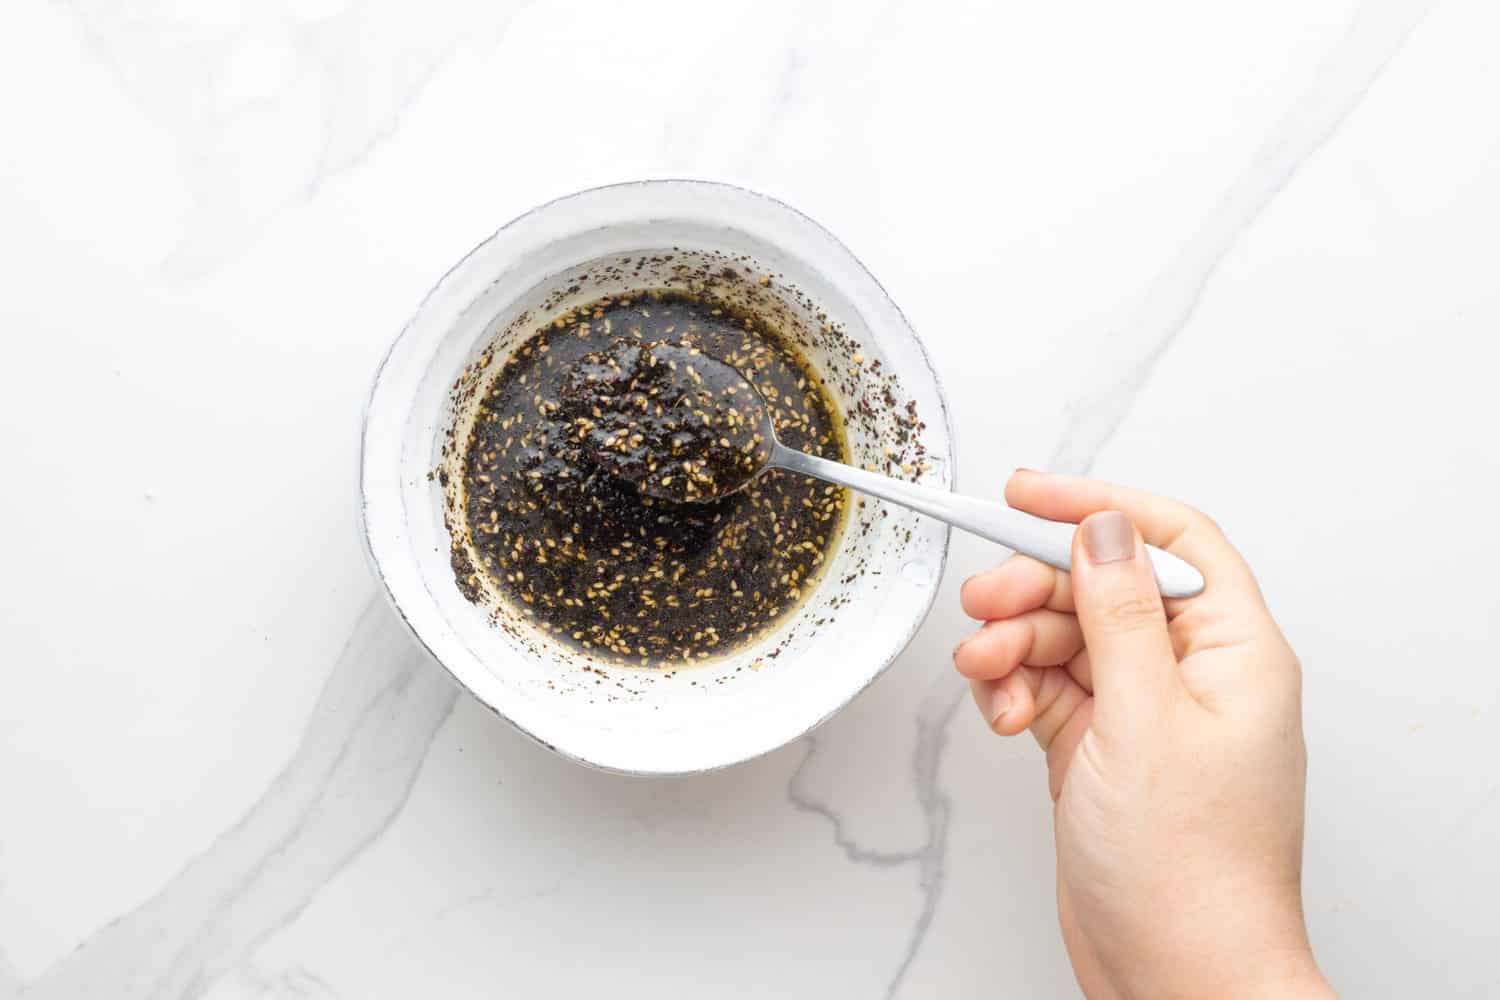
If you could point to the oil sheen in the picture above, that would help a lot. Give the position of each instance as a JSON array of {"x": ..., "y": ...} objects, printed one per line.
[{"x": 599, "y": 563}]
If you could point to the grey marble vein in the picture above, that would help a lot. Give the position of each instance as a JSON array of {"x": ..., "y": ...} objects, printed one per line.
[
  {"x": 494, "y": 898},
  {"x": 937, "y": 709},
  {"x": 10, "y": 982},
  {"x": 296, "y": 981},
  {"x": 359, "y": 70},
  {"x": 1376, "y": 34},
  {"x": 343, "y": 148},
  {"x": 932, "y": 717},
  {"x": 1378, "y": 31},
  {"x": 346, "y": 782},
  {"x": 803, "y": 800}
]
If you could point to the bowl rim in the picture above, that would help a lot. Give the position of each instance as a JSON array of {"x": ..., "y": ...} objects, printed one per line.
[{"x": 381, "y": 570}]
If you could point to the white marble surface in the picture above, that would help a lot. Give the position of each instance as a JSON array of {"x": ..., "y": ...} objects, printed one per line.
[{"x": 1241, "y": 253}]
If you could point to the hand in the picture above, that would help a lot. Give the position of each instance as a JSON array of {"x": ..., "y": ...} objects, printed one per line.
[{"x": 1173, "y": 735}]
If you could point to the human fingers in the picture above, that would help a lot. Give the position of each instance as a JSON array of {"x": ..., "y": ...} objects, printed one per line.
[
  {"x": 1003, "y": 700},
  {"x": 1040, "y": 638},
  {"x": 1124, "y": 624},
  {"x": 1017, "y": 585},
  {"x": 1042, "y": 699}
]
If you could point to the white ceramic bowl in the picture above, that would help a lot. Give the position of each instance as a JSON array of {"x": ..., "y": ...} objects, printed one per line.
[{"x": 870, "y": 600}]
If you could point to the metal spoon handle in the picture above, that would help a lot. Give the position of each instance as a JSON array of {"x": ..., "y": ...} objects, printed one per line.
[{"x": 1049, "y": 541}]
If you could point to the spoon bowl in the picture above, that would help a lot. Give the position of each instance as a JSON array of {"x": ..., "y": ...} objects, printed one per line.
[{"x": 678, "y": 424}]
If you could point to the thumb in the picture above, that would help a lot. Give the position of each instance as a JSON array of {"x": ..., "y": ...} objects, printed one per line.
[{"x": 1123, "y": 621}]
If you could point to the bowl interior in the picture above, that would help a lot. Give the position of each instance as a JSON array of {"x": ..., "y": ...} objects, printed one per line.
[{"x": 735, "y": 246}]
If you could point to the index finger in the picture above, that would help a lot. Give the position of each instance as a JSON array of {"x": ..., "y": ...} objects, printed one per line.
[
  {"x": 1166, "y": 524},
  {"x": 1018, "y": 585}
]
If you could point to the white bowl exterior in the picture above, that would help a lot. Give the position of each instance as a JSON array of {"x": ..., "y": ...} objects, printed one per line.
[{"x": 629, "y": 720}]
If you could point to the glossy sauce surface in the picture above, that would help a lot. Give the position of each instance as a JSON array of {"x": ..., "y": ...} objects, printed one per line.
[{"x": 592, "y": 559}]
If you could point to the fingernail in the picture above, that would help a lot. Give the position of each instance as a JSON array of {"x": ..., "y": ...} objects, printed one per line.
[
  {"x": 999, "y": 705},
  {"x": 960, "y": 646},
  {"x": 1108, "y": 537}
]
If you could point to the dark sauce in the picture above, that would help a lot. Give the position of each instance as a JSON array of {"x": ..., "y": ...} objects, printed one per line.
[
  {"x": 597, "y": 562},
  {"x": 677, "y": 423}
]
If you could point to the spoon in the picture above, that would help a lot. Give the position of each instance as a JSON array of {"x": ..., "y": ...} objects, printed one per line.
[{"x": 686, "y": 427}]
